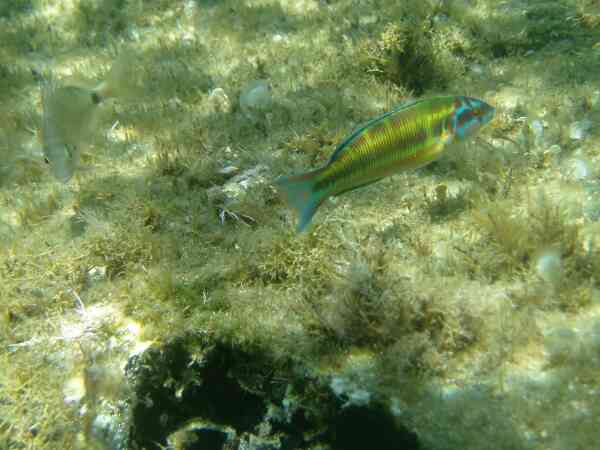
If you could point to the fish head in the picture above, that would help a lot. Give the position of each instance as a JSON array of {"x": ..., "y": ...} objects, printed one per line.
[
  {"x": 470, "y": 115},
  {"x": 62, "y": 160}
]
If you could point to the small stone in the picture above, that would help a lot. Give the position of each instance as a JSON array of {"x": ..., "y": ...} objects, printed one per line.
[
  {"x": 537, "y": 129},
  {"x": 440, "y": 18},
  {"x": 74, "y": 390},
  {"x": 219, "y": 100},
  {"x": 96, "y": 274},
  {"x": 261, "y": 443},
  {"x": 396, "y": 408},
  {"x": 477, "y": 69},
  {"x": 277, "y": 37},
  {"x": 368, "y": 20},
  {"x": 581, "y": 169},
  {"x": 228, "y": 171},
  {"x": 175, "y": 103},
  {"x": 511, "y": 98},
  {"x": 237, "y": 186},
  {"x": 359, "y": 397},
  {"x": 256, "y": 98},
  {"x": 580, "y": 130},
  {"x": 108, "y": 430},
  {"x": 246, "y": 179},
  {"x": 549, "y": 266}
]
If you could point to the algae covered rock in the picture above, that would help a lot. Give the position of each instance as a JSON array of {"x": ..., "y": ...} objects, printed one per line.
[
  {"x": 219, "y": 101},
  {"x": 232, "y": 399},
  {"x": 236, "y": 188}
]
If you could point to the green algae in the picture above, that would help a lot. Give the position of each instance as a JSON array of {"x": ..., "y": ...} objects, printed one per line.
[{"x": 417, "y": 297}]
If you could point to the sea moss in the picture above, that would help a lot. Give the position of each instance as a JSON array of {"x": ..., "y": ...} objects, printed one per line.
[{"x": 418, "y": 300}]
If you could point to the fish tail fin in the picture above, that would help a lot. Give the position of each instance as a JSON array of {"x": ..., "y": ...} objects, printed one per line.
[{"x": 300, "y": 194}]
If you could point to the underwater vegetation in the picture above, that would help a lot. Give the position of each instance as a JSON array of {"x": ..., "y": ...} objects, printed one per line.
[{"x": 154, "y": 292}]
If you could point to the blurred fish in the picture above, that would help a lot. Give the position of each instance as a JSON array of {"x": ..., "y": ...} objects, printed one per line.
[
  {"x": 410, "y": 136},
  {"x": 69, "y": 118}
]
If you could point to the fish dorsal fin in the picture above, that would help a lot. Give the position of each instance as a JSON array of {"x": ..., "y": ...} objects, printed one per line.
[{"x": 342, "y": 146}]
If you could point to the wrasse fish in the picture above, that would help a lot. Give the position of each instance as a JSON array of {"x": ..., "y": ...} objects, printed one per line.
[
  {"x": 68, "y": 118},
  {"x": 410, "y": 136}
]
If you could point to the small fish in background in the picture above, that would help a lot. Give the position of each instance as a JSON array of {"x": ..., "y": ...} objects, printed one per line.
[
  {"x": 408, "y": 137},
  {"x": 70, "y": 115}
]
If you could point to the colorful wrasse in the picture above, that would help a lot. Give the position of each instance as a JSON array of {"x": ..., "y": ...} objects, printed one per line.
[
  {"x": 410, "y": 136},
  {"x": 68, "y": 117}
]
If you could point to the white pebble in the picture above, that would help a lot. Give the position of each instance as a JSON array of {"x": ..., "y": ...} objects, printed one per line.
[
  {"x": 256, "y": 97},
  {"x": 581, "y": 169},
  {"x": 440, "y": 18},
  {"x": 228, "y": 171},
  {"x": 396, "y": 407},
  {"x": 74, "y": 390},
  {"x": 219, "y": 100},
  {"x": 367, "y": 20},
  {"x": 549, "y": 266},
  {"x": 477, "y": 69},
  {"x": 537, "y": 128},
  {"x": 96, "y": 274},
  {"x": 580, "y": 130}
]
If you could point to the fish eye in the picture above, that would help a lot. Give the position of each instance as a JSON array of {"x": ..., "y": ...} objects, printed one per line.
[{"x": 46, "y": 160}]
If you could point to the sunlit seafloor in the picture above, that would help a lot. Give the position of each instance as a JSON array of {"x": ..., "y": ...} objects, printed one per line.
[{"x": 156, "y": 294}]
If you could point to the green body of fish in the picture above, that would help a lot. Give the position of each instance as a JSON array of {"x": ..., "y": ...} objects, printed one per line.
[{"x": 410, "y": 136}]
